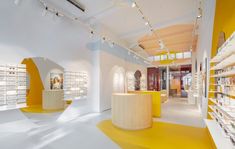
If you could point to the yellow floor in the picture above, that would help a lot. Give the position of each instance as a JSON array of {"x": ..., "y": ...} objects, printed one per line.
[
  {"x": 160, "y": 136},
  {"x": 38, "y": 109}
]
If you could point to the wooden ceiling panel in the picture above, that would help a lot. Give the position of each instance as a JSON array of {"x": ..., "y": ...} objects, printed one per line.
[
  {"x": 176, "y": 38},
  {"x": 179, "y": 46}
]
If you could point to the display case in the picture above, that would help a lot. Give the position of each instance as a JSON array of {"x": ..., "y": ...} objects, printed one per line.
[
  {"x": 75, "y": 85},
  {"x": 221, "y": 108},
  {"x": 12, "y": 86}
]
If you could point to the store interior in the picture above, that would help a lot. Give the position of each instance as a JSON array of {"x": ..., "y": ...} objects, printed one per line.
[{"x": 109, "y": 74}]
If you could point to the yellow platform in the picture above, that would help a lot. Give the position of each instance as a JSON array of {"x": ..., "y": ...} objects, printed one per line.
[
  {"x": 160, "y": 136},
  {"x": 39, "y": 109},
  {"x": 156, "y": 97}
]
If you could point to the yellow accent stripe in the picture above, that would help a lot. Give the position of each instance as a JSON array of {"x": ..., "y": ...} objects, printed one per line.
[{"x": 38, "y": 109}]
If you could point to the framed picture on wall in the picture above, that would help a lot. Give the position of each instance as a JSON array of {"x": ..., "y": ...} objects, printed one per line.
[{"x": 56, "y": 81}]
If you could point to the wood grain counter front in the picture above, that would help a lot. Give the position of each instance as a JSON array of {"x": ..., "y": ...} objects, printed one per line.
[{"x": 132, "y": 111}]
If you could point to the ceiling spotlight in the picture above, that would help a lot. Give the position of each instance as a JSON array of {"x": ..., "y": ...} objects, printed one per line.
[
  {"x": 199, "y": 12},
  {"x": 199, "y": 16},
  {"x": 44, "y": 12},
  {"x": 161, "y": 44},
  {"x": 191, "y": 48},
  {"x": 92, "y": 34},
  {"x": 146, "y": 23},
  {"x": 133, "y": 4},
  {"x": 111, "y": 44}
]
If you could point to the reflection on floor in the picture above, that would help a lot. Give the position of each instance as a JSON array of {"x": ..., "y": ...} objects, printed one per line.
[
  {"x": 43, "y": 131},
  {"x": 49, "y": 134},
  {"x": 178, "y": 111},
  {"x": 161, "y": 135}
]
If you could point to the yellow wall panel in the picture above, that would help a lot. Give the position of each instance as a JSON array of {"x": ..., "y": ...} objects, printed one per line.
[
  {"x": 224, "y": 22},
  {"x": 34, "y": 96}
]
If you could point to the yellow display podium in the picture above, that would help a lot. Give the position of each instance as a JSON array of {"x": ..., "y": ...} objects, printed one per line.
[{"x": 156, "y": 100}]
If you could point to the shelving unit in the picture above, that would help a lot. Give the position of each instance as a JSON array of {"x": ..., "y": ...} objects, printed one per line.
[
  {"x": 12, "y": 86},
  {"x": 222, "y": 105},
  {"x": 75, "y": 85}
]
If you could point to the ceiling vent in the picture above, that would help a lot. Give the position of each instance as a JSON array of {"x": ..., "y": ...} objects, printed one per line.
[{"x": 76, "y": 4}]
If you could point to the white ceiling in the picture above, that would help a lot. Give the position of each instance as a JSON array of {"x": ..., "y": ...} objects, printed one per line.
[{"x": 125, "y": 22}]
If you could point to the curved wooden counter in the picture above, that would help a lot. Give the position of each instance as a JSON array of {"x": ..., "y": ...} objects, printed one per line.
[
  {"x": 132, "y": 111},
  {"x": 156, "y": 101}
]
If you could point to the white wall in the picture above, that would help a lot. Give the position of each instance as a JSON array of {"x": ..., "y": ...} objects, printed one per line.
[
  {"x": 205, "y": 43},
  {"x": 114, "y": 60},
  {"x": 24, "y": 32}
]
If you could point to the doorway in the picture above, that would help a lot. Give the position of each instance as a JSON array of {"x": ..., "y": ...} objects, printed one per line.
[{"x": 180, "y": 80}]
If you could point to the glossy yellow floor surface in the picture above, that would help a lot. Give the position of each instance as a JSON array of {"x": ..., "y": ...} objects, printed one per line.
[
  {"x": 160, "y": 136},
  {"x": 38, "y": 109}
]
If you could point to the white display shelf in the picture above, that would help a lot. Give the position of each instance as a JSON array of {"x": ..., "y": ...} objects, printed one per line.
[
  {"x": 229, "y": 61},
  {"x": 75, "y": 85},
  {"x": 220, "y": 139},
  {"x": 226, "y": 94},
  {"x": 213, "y": 100},
  {"x": 227, "y": 111},
  {"x": 212, "y": 115},
  {"x": 225, "y": 50},
  {"x": 11, "y": 107},
  {"x": 224, "y": 74},
  {"x": 227, "y": 85}
]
